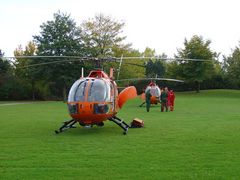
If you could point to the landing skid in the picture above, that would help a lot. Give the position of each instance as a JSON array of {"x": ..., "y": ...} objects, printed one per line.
[
  {"x": 66, "y": 125},
  {"x": 120, "y": 123},
  {"x": 142, "y": 104},
  {"x": 70, "y": 124}
]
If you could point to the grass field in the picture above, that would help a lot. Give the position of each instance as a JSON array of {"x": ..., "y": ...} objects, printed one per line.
[{"x": 199, "y": 140}]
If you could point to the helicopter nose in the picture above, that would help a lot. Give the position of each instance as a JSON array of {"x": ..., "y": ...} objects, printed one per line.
[
  {"x": 100, "y": 108},
  {"x": 73, "y": 108}
]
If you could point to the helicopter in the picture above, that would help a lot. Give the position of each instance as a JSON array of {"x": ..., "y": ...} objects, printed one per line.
[
  {"x": 94, "y": 98},
  {"x": 155, "y": 90},
  {"x": 155, "y": 94}
]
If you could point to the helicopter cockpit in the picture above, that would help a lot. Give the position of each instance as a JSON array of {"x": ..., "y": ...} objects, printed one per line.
[
  {"x": 90, "y": 90},
  {"x": 99, "y": 91},
  {"x": 154, "y": 90}
]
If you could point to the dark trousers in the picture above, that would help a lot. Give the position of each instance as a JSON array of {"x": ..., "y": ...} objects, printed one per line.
[
  {"x": 164, "y": 105},
  {"x": 148, "y": 104}
]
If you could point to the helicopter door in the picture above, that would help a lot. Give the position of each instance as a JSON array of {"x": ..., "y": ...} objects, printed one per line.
[{"x": 114, "y": 94}]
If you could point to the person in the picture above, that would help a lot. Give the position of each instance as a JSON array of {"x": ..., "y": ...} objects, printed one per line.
[
  {"x": 164, "y": 98},
  {"x": 171, "y": 98},
  {"x": 148, "y": 99}
]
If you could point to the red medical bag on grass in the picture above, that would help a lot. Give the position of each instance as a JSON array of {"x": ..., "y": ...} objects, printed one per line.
[{"x": 137, "y": 123}]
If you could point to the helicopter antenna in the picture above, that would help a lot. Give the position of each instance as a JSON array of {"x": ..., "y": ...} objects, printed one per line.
[
  {"x": 82, "y": 72},
  {"x": 155, "y": 78},
  {"x": 120, "y": 66}
]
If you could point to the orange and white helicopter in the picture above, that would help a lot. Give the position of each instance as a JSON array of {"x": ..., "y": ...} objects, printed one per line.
[
  {"x": 153, "y": 87},
  {"x": 93, "y": 99}
]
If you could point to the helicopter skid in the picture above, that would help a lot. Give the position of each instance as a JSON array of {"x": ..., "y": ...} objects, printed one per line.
[
  {"x": 120, "y": 123},
  {"x": 141, "y": 105},
  {"x": 66, "y": 125}
]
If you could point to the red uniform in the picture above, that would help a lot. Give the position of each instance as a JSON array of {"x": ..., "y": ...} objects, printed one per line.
[{"x": 171, "y": 98}]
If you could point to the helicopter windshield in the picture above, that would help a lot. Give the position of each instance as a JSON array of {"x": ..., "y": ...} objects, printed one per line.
[
  {"x": 99, "y": 91},
  {"x": 95, "y": 90},
  {"x": 154, "y": 90},
  {"x": 77, "y": 91}
]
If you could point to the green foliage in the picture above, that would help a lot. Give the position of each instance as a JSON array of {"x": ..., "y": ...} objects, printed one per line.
[
  {"x": 130, "y": 68},
  {"x": 14, "y": 88},
  {"x": 5, "y": 65},
  {"x": 232, "y": 67},
  {"x": 155, "y": 68},
  {"x": 199, "y": 140},
  {"x": 28, "y": 75},
  {"x": 102, "y": 35},
  {"x": 59, "y": 37},
  {"x": 148, "y": 52},
  {"x": 1, "y": 53},
  {"x": 196, "y": 71}
]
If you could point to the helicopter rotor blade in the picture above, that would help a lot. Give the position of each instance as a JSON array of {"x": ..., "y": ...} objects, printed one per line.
[
  {"x": 96, "y": 60},
  {"x": 167, "y": 59},
  {"x": 145, "y": 79},
  {"x": 111, "y": 58}
]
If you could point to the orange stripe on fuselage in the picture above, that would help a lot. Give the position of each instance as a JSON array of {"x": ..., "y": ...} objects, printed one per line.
[{"x": 86, "y": 113}]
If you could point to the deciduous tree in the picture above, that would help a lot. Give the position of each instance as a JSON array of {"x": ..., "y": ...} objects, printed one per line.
[
  {"x": 232, "y": 67},
  {"x": 59, "y": 37},
  {"x": 196, "y": 71},
  {"x": 102, "y": 34}
]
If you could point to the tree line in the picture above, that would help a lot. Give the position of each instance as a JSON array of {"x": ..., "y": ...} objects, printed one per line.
[{"x": 101, "y": 36}]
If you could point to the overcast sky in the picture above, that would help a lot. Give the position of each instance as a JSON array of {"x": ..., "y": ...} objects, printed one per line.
[{"x": 159, "y": 24}]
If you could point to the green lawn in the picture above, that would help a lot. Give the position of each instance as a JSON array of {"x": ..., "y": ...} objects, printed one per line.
[{"x": 199, "y": 140}]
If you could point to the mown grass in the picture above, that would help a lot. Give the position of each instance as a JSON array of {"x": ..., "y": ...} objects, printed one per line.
[{"x": 199, "y": 140}]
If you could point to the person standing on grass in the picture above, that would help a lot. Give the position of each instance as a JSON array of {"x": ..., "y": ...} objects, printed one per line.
[
  {"x": 171, "y": 98},
  {"x": 148, "y": 99},
  {"x": 164, "y": 99}
]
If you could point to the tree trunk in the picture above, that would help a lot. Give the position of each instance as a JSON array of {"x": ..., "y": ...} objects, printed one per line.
[
  {"x": 64, "y": 94},
  {"x": 33, "y": 91},
  {"x": 197, "y": 86}
]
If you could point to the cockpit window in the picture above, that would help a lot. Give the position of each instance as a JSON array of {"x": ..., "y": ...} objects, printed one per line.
[
  {"x": 99, "y": 91},
  {"x": 154, "y": 90},
  {"x": 77, "y": 91}
]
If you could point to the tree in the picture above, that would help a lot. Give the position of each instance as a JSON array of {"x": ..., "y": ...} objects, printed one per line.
[
  {"x": 196, "y": 71},
  {"x": 102, "y": 35},
  {"x": 231, "y": 67},
  {"x": 148, "y": 52},
  {"x": 59, "y": 37},
  {"x": 11, "y": 86},
  {"x": 4, "y": 64},
  {"x": 28, "y": 75},
  {"x": 154, "y": 67},
  {"x": 1, "y": 53}
]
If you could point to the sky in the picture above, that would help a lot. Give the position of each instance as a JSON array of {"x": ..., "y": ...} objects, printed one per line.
[{"x": 159, "y": 24}]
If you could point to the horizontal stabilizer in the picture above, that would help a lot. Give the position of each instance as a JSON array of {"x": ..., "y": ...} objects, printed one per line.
[{"x": 128, "y": 93}]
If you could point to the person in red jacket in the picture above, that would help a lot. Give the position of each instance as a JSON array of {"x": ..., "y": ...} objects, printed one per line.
[{"x": 171, "y": 98}]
